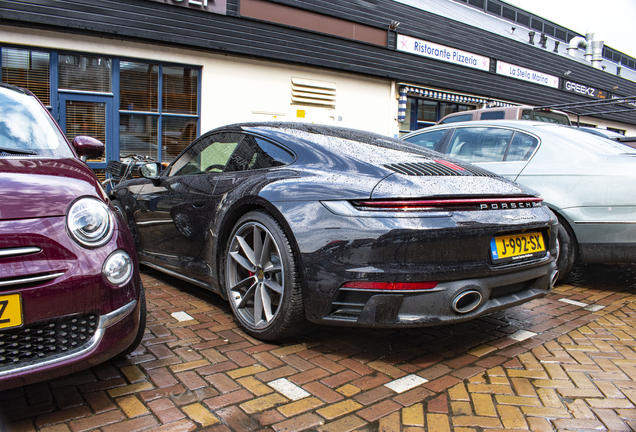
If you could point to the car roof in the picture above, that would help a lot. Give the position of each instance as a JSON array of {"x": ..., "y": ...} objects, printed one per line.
[
  {"x": 303, "y": 128},
  {"x": 519, "y": 124},
  {"x": 312, "y": 135},
  {"x": 324, "y": 144}
]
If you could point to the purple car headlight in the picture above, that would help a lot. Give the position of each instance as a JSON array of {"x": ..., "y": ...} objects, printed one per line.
[
  {"x": 90, "y": 222},
  {"x": 118, "y": 268}
]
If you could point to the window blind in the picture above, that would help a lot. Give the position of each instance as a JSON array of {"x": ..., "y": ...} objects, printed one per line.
[
  {"x": 28, "y": 69},
  {"x": 138, "y": 86},
  {"x": 86, "y": 118},
  {"x": 85, "y": 73},
  {"x": 179, "y": 90}
]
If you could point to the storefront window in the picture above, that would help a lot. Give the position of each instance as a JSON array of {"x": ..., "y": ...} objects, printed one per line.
[
  {"x": 142, "y": 109},
  {"x": 176, "y": 134},
  {"x": 28, "y": 69},
  {"x": 426, "y": 110},
  {"x": 78, "y": 72},
  {"x": 138, "y": 86},
  {"x": 446, "y": 108},
  {"x": 158, "y": 112},
  {"x": 138, "y": 135},
  {"x": 421, "y": 113},
  {"x": 86, "y": 118},
  {"x": 179, "y": 91}
]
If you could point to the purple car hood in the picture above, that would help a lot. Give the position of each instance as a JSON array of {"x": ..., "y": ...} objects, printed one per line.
[{"x": 33, "y": 188}]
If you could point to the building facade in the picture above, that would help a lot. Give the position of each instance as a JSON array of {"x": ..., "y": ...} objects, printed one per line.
[{"x": 147, "y": 76}]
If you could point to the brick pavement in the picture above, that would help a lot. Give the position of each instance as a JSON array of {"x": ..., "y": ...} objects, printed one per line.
[{"x": 566, "y": 362}]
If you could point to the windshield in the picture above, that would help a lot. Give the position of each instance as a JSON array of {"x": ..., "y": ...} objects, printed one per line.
[
  {"x": 596, "y": 143},
  {"x": 26, "y": 128}
]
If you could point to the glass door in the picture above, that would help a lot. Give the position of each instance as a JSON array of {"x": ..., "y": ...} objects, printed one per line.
[{"x": 89, "y": 115}]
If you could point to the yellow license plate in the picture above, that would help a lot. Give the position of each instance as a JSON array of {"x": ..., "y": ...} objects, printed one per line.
[
  {"x": 517, "y": 246},
  {"x": 10, "y": 311}
]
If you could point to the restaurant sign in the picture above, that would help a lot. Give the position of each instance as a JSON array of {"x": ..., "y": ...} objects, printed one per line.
[
  {"x": 214, "y": 6},
  {"x": 585, "y": 90},
  {"x": 443, "y": 53},
  {"x": 528, "y": 75}
]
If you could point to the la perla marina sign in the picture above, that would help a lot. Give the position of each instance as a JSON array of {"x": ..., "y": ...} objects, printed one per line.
[
  {"x": 213, "y": 6},
  {"x": 443, "y": 53}
]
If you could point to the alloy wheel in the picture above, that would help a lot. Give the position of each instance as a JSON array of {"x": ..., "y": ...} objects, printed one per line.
[{"x": 255, "y": 275}]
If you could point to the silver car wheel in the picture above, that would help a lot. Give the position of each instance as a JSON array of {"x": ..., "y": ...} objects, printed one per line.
[{"x": 255, "y": 275}]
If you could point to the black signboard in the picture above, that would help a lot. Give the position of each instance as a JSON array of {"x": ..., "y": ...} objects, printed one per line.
[{"x": 585, "y": 90}]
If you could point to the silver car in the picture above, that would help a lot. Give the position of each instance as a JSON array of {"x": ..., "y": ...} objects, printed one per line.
[{"x": 587, "y": 180}]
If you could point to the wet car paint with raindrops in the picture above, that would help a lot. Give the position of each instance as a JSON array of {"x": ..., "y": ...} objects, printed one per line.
[{"x": 297, "y": 223}]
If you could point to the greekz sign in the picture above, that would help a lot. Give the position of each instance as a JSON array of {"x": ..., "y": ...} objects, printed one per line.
[{"x": 585, "y": 90}]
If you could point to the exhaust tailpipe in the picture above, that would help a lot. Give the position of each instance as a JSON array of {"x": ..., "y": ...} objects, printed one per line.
[{"x": 467, "y": 301}]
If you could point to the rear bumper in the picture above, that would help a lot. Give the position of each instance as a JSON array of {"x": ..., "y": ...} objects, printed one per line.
[
  {"x": 450, "y": 302},
  {"x": 451, "y": 249}
]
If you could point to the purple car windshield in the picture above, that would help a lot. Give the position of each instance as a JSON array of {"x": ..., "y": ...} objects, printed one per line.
[{"x": 26, "y": 129}]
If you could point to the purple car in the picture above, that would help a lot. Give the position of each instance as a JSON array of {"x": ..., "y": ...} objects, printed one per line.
[{"x": 70, "y": 291}]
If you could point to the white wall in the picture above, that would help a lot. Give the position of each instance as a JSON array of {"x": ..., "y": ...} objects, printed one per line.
[{"x": 237, "y": 89}]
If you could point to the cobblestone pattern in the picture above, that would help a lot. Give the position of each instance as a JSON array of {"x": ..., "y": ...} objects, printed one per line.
[{"x": 566, "y": 362}]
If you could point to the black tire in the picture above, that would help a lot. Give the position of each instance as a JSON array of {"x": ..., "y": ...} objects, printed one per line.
[
  {"x": 119, "y": 208},
  {"x": 264, "y": 291},
  {"x": 142, "y": 324},
  {"x": 567, "y": 249}
]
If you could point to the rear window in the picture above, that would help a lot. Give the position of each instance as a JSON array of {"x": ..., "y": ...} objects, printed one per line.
[
  {"x": 545, "y": 116},
  {"x": 492, "y": 115},
  {"x": 480, "y": 144},
  {"x": 459, "y": 118}
]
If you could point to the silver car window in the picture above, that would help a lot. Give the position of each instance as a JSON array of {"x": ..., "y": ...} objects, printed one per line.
[
  {"x": 427, "y": 139},
  {"x": 521, "y": 147},
  {"x": 480, "y": 144}
]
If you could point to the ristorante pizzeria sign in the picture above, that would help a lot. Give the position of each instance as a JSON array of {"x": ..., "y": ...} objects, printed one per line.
[
  {"x": 214, "y": 6},
  {"x": 442, "y": 53}
]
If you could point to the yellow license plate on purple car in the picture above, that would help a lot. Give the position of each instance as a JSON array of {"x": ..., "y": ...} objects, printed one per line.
[
  {"x": 517, "y": 246},
  {"x": 10, "y": 311}
]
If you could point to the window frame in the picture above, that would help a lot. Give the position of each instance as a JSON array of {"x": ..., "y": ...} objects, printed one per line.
[
  {"x": 241, "y": 143},
  {"x": 115, "y": 113}
]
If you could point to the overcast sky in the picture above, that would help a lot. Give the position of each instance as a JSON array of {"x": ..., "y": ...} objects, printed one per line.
[{"x": 613, "y": 21}]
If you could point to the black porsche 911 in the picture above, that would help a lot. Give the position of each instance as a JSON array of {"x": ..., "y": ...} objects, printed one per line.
[{"x": 297, "y": 223}]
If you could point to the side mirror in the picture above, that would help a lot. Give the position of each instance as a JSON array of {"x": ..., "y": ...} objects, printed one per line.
[
  {"x": 151, "y": 171},
  {"x": 88, "y": 147}
]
